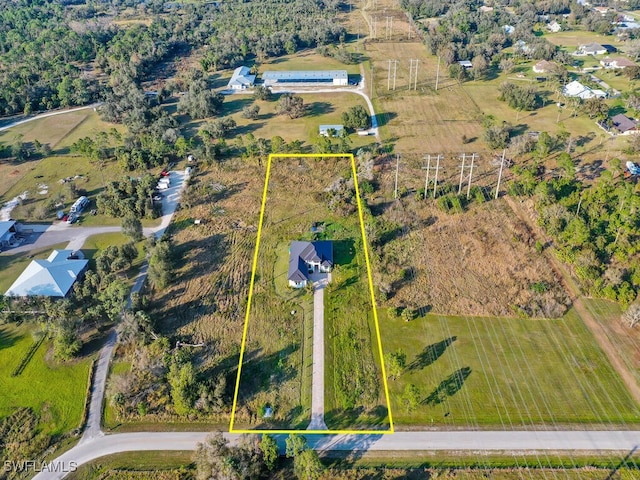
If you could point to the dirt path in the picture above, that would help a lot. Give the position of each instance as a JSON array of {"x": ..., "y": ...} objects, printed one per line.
[{"x": 572, "y": 288}]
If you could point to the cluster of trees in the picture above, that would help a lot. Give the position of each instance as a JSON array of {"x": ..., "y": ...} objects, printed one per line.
[
  {"x": 291, "y": 105},
  {"x": 356, "y": 118},
  {"x": 253, "y": 458},
  {"x": 98, "y": 298},
  {"x": 39, "y": 54},
  {"x": 114, "y": 259},
  {"x": 268, "y": 29},
  {"x": 130, "y": 197},
  {"x": 599, "y": 239},
  {"x": 162, "y": 380},
  {"x": 520, "y": 97},
  {"x": 199, "y": 101},
  {"x": 161, "y": 262},
  {"x": 464, "y": 32}
]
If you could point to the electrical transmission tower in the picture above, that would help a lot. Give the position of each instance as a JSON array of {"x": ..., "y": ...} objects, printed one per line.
[
  {"x": 389, "y": 28},
  {"x": 428, "y": 168},
  {"x": 500, "y": 173},
  {"x": 413, "y": 74},
  {"x": 395, "y": 69},
  {"x": 462, "y": 167},
  {"x": 395, "y": 189}
]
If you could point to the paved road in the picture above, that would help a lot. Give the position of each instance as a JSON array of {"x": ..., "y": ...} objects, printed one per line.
[
  {"x": 317, "y": 386},
  {"x": 94, "y": 418},
  {"x": 48, "y": 114},
  {"x": 475, "y": 441}
]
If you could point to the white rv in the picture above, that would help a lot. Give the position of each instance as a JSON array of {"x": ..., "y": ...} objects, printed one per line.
[{"x": 79, "y": 205}]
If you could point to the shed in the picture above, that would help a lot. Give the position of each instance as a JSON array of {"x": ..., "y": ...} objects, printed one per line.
[{"x": 324, "y": 130}]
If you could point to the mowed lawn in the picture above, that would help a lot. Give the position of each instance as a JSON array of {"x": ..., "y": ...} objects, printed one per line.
[
  {"x": 625, "y": 339},
  {"x": 55, "y": 392},
  {"x": 504, "y": 372},
  {"x": 423, "y": 120},
  {"x": 59, "y": 131},
  {"x": 322, "y": 108}
]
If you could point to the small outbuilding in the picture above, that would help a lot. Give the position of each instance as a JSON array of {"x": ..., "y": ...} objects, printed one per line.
[
  {"x": 8, "y": 230},
  {"x": 330, "y": 130},
  {"x": 544, "y": 66}
]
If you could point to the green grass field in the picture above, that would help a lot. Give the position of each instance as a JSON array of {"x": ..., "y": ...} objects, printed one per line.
[
  {"x": 55, "y": 392},
  {"x": 504, "y": 372},
  {"x": 323, "y": 108},
  {"x": 59, "y": 131},
  {"x": 624, "y": 338}
]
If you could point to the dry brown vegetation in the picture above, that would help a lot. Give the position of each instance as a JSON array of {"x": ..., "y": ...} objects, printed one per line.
[
  {"x": 206, "y": 301},
  {"x": 482, "y": 262}
]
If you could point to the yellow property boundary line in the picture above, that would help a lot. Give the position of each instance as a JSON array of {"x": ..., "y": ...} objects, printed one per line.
[{"x": 373, "y": 303}]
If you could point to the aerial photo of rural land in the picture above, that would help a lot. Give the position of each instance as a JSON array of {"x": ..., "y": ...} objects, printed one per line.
[{"x": 319, "y": 239}]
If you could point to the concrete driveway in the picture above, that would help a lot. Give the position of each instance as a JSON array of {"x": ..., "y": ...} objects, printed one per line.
[{"x": 320, "y": 281}]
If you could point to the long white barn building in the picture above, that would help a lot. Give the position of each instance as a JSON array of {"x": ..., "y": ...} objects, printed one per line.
[{"x": 322, "y": 77}]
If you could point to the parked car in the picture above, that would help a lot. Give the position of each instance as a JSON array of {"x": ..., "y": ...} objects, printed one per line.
[
  {"x": 72, "y": 218},
  {"x": 157, "y": 198},
  {"x": 164, "y": 173}
]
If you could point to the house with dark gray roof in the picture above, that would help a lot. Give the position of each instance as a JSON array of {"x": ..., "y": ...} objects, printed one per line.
[
  {"x": 624, "y": 125},
  {"x": 306, "y": 258}
]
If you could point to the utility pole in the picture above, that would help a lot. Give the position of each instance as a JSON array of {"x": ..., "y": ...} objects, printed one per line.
[
  {"x": 426, "y": 180},
  {"x": 395, "y": 70},
  {"x": 410, "y": 72},
  {"x": 375, "y": 27},
  {"x": 389, "y": 76},
  {"x": 395, "y": 190},
  {"x": 461, "y": 174},
  {"x": 438, "y": 73},
  {"x": 435, "y": 180},
  {"x": 500, "y": 173},
  {"x": 415, "y": 87},
  {"x": 470, "y": 175},
  {"x": 388, "y": 28}
]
